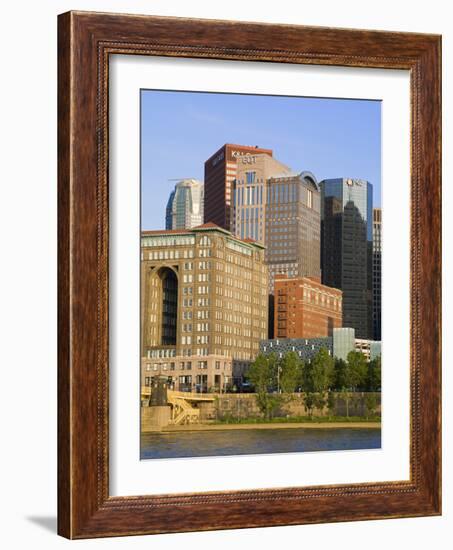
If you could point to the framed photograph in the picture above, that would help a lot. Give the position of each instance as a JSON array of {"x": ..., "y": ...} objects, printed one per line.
[{"x": 249, "y": 275}]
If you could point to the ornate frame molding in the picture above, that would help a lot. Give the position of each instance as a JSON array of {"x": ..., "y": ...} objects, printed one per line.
[{"x": 86, "y": 40}]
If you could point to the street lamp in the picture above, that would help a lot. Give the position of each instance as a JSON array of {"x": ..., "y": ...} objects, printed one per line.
[{"x": 278, "y": 378}]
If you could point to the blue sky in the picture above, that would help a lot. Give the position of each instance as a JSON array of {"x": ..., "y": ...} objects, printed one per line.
[{"x": 330, "y": 137}]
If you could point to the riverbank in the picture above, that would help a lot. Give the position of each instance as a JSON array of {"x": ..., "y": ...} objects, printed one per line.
[{"x": 266, "y": 426}]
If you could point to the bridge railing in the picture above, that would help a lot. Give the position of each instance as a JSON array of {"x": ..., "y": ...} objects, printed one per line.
[
  {"x": 191, "y": 395},
  {"x": 146, "y": 391}
]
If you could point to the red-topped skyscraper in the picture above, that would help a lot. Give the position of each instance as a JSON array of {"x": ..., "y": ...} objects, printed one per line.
[{"x": 219, "y": 174}]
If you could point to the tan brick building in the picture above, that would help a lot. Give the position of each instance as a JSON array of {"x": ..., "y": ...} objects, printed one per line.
[
  {"x": 203, "y": 305},
  {"x": 304, "y": 308},
  {"x": 250, "y": 191}
]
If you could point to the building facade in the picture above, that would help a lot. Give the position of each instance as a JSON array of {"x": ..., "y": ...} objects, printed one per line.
[
  {"x": 203, "y": 305},
  {"x": 250, "y": 190},
  {"x": 347, "y": 241},
  {"x": 220, "y": 171},
  {"x": 185, "y": 206},
  {"x": 306, "y": 348},
  {"x": 338, "y": 345},
  {"x": 293, "y": 232},
  {"x": 343, "y": 342},
  {"x": 370, "y": 348},
  {"x": 377, "y": 272},
  {"x": 305, "y": 308},
  {"x": 169, "y": 210}
]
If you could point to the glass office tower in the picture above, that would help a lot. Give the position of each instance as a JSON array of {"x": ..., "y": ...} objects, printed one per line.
[
  {"x": 377, "y": 268},
  {"x": 185, "y": 207},
  {"x": 347, "y": 248},
  {"x": 169, "y": 211}
]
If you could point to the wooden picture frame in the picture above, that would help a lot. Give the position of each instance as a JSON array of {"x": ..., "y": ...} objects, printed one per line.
[{"x": 85, "y": 42}]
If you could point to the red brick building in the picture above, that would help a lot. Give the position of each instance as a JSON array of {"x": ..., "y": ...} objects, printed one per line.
[
  {"x": 305, "y": 308},
  {"x": 219, "y": 174}
]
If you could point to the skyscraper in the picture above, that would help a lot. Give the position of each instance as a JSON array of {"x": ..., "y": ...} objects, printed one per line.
[
  {"x": 293, "y": 239},
  {"x": 280, "y": 209},
  {"x": 377, "y": 266},
  {"x": 249, "y": 199},
  {"x": 185, "y": 205},
  {"x": 169, "y": 210},
  {"x": 346, "y": 243},
  {"x": 219, "y": 174}
]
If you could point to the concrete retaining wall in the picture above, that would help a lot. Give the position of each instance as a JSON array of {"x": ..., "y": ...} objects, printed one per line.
[
  {"x": 244, "y": 406},
  {"x": 154, "y": 418}
]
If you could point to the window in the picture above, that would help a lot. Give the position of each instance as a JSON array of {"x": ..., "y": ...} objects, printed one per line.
[
  {"x": 309, "y": 198},
  {"x": 205, "y": 241},
  {"x": 250, "y": 177}
]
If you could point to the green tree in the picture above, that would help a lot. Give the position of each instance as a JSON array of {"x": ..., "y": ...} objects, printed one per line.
[
  {"x": 290, "y": 372},
  {"x": 261, "y": 374},
  {"x": 341, "y": 374},
  {"x": 345, "y": 395},
  {"x": 373, "y": 382},
  {"x": 318, "y": 377},
  {"x": 331, "y": 402},
  {"x": 318, "y": 373},
  {"x": 358, "y": 370},
  {"x": 309, "y": 403}
]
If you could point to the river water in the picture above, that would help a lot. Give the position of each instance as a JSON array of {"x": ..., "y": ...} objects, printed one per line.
[{"x": 257, "y": 441}]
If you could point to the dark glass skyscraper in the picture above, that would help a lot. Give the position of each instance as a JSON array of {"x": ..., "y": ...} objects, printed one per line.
[
  {"x": 347, "y": 248},
  {"x": 169, "y": 211},
  {"x": 377, "y": 266}
]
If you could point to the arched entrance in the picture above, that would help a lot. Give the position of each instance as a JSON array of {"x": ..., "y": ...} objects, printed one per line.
[{"x": 169, "y": 306}]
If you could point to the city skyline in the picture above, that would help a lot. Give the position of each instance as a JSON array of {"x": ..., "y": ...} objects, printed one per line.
[{"x": 329, "y": 137}]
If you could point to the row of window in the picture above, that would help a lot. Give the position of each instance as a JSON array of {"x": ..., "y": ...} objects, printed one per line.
[
  {"x": 183, "y": 365},
  {"x": 170, "y": 254},
  {"x": 168, "y": 240},
  {"x": 187, "y": 340},
  {"x": 201, "y": 278}
]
